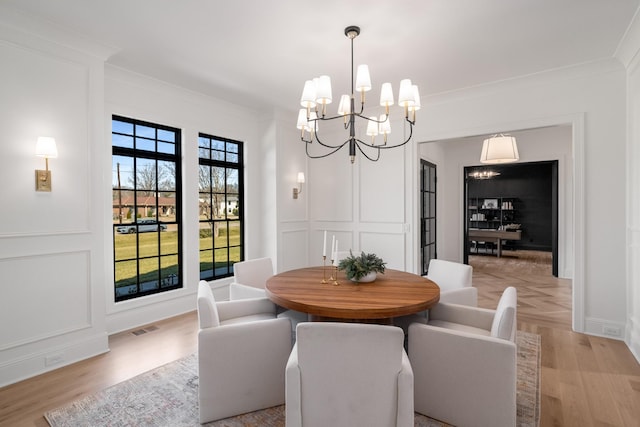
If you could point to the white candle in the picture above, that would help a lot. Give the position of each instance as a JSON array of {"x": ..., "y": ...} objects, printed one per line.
[
  {"x": 335, "y": 254},
  {"x": 333, "y": 246},
  {"x": 324, "y": 244}
]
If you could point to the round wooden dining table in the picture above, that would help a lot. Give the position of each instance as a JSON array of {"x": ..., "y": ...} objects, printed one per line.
[{"x": 393, "y": 294}]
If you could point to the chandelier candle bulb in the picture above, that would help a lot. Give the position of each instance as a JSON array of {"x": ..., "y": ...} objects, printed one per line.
[
  {"x": 313, "y": 122},
  {"x": 324, "y": 92},
  {"x": 308, "y": 98},
  {"x": 416, "y": 102},
  {"x": 344, "y": 108},
  {"x": 363, "y": 81},
  {"x": 405, "y": 95},
  {"x": 372, "y": 128},
  {"x": 386, "y": 97},
  {"x": 303, "y": 123},
  {"x": 385, "y": 126}
]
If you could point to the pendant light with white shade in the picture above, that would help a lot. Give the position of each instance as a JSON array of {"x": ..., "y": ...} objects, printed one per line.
[{"x": 500, "y": 148}]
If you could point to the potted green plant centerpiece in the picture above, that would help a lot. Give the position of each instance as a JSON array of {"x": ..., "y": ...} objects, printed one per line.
[{"x": 362, "y": 268}]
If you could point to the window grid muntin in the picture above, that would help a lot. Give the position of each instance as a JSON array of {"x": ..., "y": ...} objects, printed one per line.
[
  {"x": 166, "y": 277},
  {"x": 224, "y": 155}
]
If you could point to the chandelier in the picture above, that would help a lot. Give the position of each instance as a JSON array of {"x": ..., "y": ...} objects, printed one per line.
[
  {"x": 316, "y": 95},
  {"x": 483, "y": 174}
]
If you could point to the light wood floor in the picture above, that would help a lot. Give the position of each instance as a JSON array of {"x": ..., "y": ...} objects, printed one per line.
[{"x": 586, "y": 381}]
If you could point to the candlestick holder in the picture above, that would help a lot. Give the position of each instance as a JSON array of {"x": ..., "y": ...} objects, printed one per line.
[
  {"x": 335, "y": 281},
  {"x": 331, "y": 278},
  {"x": 324, "y": 269}
]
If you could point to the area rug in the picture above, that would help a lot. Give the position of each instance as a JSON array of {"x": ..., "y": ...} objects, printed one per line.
[{"x": 168, "y": 397}]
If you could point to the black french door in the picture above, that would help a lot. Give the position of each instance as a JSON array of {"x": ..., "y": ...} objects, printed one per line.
[{"x": 427, "y": 214}]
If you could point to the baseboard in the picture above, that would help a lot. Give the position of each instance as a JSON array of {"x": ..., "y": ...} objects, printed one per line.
[
  {"x": 30, "y": 365},
  {"x": 124, "y": 320},
  {"x": 143, "y": 311},
  {"x": 632, "y": 337},
  {"x": 605, "y": 328}
]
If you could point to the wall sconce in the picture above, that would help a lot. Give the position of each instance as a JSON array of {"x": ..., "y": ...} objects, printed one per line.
[
  {"x": 298, "y": 190},
  {"x": 46, "y": 147}
]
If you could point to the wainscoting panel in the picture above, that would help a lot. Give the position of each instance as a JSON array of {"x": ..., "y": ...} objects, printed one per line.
[
  {"x": 388, "y": 246},
  {"x": 44, "y": 302},
  {"x": 294, "y": 244},
  {"x": 330, "y": 182},
  {"x": 382, "y": 192}
]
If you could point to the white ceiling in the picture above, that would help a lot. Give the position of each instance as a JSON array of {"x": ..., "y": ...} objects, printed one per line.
[{"x": 260, "y": 52}]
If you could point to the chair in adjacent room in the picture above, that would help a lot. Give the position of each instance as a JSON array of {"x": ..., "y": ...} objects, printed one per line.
[
  {"x": 464, "y": 362},
  {"x": 242, "y": 354},
  {"x": 349, "y": 374}
]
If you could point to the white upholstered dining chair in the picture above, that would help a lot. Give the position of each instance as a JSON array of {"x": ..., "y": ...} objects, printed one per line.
[
  {"x": 464, "y": 362},
  {"x": 242, "y": 354},
  {"x": 250, "y": 278},
  {"x": 348, "y": 374},
  {"x": 454, "y": 280}
]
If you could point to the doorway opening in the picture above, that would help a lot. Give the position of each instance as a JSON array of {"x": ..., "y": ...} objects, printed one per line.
[{"x": 511, "y": 208}]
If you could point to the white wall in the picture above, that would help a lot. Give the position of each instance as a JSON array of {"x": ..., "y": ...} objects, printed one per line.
[
  {"x": 52, "y": 307},
  {"x": 629, "y": 55},
  {"x": 633, "y": 217},
  {"x": 292, "y": 235}
]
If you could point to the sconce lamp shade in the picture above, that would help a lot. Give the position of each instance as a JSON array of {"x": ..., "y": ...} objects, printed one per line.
[
  {"x": 298, "y": 190},
  {"x": 499, "y": 149},
  {"x": 46, "y": 147}
]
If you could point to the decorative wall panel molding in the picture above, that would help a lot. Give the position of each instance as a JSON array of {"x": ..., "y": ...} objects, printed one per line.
[{"x": 46, "y": 301}]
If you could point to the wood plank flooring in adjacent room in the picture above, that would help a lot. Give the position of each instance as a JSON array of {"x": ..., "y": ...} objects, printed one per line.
[{"x": 586, "y": 381}]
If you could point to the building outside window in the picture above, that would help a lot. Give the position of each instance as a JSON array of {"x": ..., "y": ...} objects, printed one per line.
[
  {"x": 146, "y": 209},
  {"x": 220, "y": 206}
]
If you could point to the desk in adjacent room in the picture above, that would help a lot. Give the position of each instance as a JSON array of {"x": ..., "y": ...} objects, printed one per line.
[{"x": 495, "y": 236}]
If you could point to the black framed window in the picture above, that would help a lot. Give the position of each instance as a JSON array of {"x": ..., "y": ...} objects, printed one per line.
[
  {"x": 220, "y": 206},
  {"x": 146, "y": 181}
]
